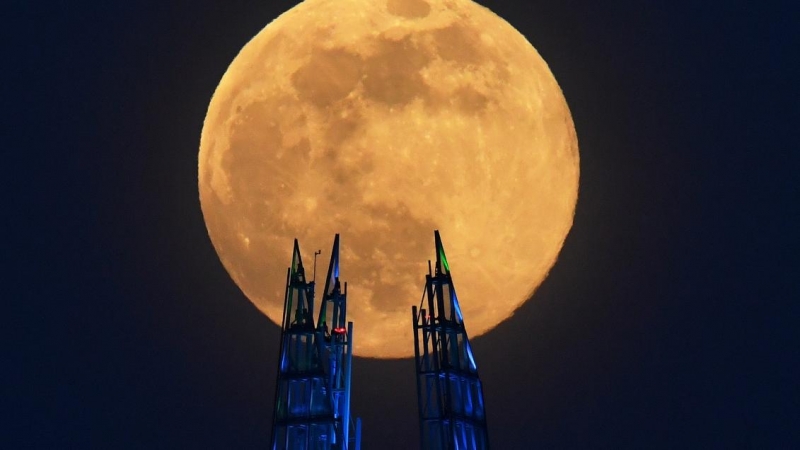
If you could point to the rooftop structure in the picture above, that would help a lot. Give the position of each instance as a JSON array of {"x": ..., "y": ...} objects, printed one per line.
[
  {"x": 452, "y": 415},
  {"x": 312, "y": 395}
]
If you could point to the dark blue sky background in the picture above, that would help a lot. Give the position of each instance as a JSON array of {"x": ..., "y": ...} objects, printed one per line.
[{"x": 670, "y": 320}]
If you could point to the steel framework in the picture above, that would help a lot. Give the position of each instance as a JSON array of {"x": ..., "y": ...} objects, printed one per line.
[
  {"x": 312, "y": 395},
  {"x": 452, "y": 415}
]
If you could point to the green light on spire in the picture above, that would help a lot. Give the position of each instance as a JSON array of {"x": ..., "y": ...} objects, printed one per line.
[
  {"x": 443, "y": 258},
  {"x": 440, "y": 251}
]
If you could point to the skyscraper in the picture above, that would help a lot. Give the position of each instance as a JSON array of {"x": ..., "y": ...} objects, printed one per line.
[
  {"x": 452, "y": 415},
  {"x": 312, "y": 396}
]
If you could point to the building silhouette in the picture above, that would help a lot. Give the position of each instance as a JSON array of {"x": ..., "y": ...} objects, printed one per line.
[
  {"x": 452, "y": 414},
  {"x": 312, "y": 394}
]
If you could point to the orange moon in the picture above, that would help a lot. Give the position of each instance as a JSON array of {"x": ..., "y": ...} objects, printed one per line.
[{"x": 382, "y": 121}]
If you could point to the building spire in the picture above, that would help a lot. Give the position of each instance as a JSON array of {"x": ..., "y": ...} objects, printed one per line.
[
  {"x": 312, "y": 393},
  {"x": 449, "y": 392},
  {"x": 332, "y": 289},
  {"x": 441, "y": 258},
  {"x": 299, "y": 301}
]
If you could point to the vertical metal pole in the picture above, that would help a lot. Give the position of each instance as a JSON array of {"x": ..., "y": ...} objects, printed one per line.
[
  {"x": 348, "y": 377},
  {"x": 318, "y": 252},
  {"x": 439, "y": 338},
  {"x": 281, "y": 356},
  {"x": 358, "y": 434},
  {"x": 344, "y": 304},
  {"x": 419, "y": 374}
]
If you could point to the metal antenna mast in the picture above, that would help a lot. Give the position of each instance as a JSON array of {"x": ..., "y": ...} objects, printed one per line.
[{"x": 315, "y": 264}]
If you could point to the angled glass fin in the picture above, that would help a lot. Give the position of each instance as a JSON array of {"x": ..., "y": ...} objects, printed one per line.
[
  {"x": 295, "y": 270},
  {"x": 333, "y": 267},
  {"x": 331, "y": 282},
  {"x": 299, "y": 294},
  {"x": 441, "y": 258},
  {"x": 297, "y": 262}
]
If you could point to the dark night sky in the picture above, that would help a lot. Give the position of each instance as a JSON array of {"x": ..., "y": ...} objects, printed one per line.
[{"x": 670, "y": 320}]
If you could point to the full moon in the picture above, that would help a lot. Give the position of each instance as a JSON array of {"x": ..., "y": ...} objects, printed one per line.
[{"x": 383, "y": 120}]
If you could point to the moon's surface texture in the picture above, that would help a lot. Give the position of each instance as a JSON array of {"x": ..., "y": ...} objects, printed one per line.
[{"x": 384, "y": 120}]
